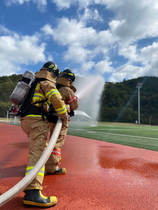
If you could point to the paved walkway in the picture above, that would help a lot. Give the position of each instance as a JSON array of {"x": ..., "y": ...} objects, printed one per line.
[{"x": 101, "y": 175}]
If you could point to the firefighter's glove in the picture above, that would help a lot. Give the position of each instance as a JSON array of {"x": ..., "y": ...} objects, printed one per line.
[
  {"x": 71, "y": 113},
  {"x": 65, "y": 122},
  {"x": 53, "y": 118}
]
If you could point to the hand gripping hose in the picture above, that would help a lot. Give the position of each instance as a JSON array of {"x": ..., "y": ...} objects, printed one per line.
[{"x": 4, "y": 198}]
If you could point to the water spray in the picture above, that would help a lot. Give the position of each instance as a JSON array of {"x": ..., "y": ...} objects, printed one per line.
[{"x": 89, "y": 91}]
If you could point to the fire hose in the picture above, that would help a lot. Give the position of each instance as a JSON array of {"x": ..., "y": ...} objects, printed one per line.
[{"x": 4, "y": 198}]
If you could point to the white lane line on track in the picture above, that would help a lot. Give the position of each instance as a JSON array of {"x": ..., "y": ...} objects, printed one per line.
[{"x": 117, "y": 134}]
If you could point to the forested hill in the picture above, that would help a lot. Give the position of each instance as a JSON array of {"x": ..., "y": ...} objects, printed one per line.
[
  {"x": 7, "y": 84},
  {"x": 119, "y": 101}
]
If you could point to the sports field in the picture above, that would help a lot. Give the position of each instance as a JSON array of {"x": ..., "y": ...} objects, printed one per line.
[{"x": 141, "y": 136}]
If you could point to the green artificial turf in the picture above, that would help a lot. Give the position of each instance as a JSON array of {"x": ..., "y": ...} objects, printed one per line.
[{"x": 141, "y": 136}]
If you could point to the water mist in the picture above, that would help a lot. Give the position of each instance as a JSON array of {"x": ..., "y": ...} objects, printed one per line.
[{"x": 89, "y": 90}]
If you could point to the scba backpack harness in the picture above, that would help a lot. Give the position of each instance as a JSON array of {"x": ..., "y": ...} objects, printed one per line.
[
  {"x": 22, "y": 96},
  {"x": 23, "y": 93}
]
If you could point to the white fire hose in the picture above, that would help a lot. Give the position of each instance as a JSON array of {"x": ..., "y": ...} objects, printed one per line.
[{"x": 4, "y": 198}]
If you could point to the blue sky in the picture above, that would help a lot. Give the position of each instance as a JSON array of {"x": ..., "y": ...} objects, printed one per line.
[{"x": 117, "y": 39}]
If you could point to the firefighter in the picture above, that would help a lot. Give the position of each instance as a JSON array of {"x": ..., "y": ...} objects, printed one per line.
[
  {"x": 37, "y": 128},
  {"x": 64, "y": 85}
]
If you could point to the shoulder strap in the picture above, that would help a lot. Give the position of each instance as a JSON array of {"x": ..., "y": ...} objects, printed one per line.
[
  {"x": 40, "y": 80},
  {"x": 26, "y": 103},
  {"x": 59, "y": 86}
]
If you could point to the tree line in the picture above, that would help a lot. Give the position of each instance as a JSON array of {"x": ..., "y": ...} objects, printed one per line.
[
  {"x": 7, "y": 84},
  {"x": 118, "y": 102}
]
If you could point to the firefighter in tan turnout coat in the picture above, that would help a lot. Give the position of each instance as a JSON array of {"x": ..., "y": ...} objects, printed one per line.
[
  {"x": 67, "y": 90},
  {"x": 37, "y": 128}
]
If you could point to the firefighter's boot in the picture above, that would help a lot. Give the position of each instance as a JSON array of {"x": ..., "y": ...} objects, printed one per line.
[
  {"x": 34, "y": 198},
  {"x": 59, "y": 171}
]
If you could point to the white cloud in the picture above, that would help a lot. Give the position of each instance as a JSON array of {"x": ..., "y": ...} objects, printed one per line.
[
  {"x": 41, "y": 4},
  {"x": 77, "y": 54},
  {"x": 10, "y": 2},
  {"x": 48, "y": 31},
  {"x": 86, "y": 67},
  {"x": 141, "y": 62},
  {"x": 146, "y": 56},
  {"x": 126, "y": 71},
  {"x": 71, "y": 31},
  {"x": 92, "y": 47},
  {"x": 150, "y": 53},
  {"x": 104, "y": 66},
  {"x": 130, "y": 52},
  {"x": 16, "y": 50},
  {"x": 65, "y": 4},
  {"x": 62, "y": 4},
  {"x": 134, "y": 20},
  {"x": 149, "y": 59},
  {"x": 83, "y": 43},
  {"x": 90, "y": 15}
]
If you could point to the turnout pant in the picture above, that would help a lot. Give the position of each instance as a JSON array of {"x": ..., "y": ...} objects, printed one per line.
[
  {"x": 55, "y": 157},
  {"x": 37, "y": 131}
]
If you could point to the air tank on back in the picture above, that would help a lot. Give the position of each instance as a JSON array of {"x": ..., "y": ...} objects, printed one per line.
[{"x": 22, "y": 88}]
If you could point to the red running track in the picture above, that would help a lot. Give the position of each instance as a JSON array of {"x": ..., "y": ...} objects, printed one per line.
[{"x": 100, "y": 175}]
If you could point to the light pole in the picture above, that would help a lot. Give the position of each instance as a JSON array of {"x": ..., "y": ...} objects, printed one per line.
[{"x": 139, "y": 85}]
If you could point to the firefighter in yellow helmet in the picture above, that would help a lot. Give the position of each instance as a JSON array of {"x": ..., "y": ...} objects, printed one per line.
[
  {"x": 64, "y": 85},
  {"x": 37, "y": 128}
]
